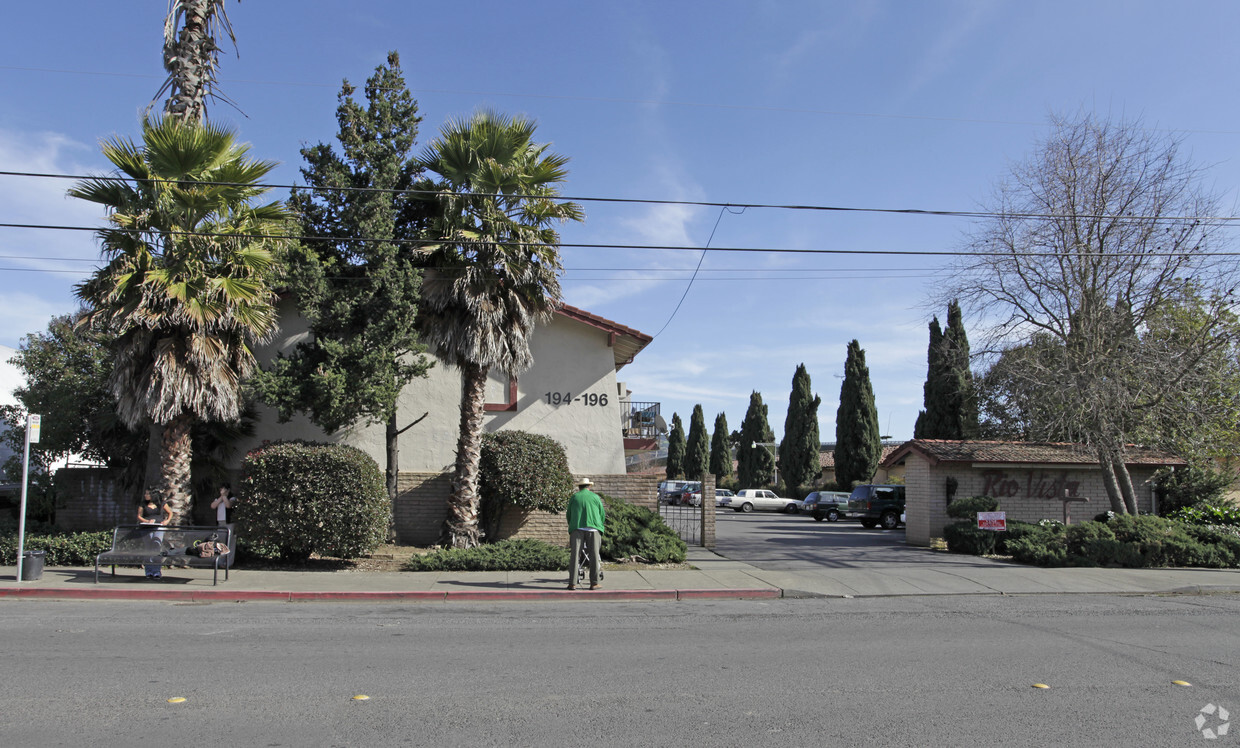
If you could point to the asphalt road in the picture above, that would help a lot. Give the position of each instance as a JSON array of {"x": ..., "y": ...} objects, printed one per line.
[
  {"x": 882, "y": 671},
  {"x": 788, "y": 542}
]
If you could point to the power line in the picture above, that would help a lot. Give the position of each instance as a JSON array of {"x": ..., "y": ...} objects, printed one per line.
[
  {"x": 642, "y": 201},
  {"x": 661, "y": 247}
]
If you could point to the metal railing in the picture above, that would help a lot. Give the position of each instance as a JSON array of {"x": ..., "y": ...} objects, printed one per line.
[{"x": 638, "y": 419}]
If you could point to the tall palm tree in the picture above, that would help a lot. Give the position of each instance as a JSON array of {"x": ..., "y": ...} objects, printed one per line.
[
  {"x": 493, "y": 273},
  {"x": 191, "y": 56},
  {"x": 186, "y": 287}
]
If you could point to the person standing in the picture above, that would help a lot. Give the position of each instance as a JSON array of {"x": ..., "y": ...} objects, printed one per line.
[
  {"x": 151, "y": 512},
  {"x": 223, "y": 505},
  {"x": 586, "y": 518}
]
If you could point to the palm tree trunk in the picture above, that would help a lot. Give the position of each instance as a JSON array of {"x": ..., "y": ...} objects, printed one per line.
[
  {"x": 176, "y": 452},
  {"x": 461, "y": 526}
]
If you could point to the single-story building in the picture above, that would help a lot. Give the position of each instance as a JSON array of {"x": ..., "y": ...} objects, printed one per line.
[{"x": 1030, "y": 480}]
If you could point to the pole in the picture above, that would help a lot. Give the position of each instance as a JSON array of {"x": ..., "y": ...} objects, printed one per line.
[{"x": 32, "y": 425}]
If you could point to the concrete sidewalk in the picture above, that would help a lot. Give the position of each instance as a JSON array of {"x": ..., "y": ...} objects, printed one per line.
[{"x": 714, "y": 576}]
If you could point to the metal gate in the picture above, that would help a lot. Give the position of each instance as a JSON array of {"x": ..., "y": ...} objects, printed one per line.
[{"x": 694, "y": 524}]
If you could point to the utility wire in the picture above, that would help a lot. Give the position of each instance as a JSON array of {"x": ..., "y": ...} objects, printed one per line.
[
  {"x": 632, "y": 200},
  {"x": 663, "y": 247},
  {"x": 694, "y": 277}
]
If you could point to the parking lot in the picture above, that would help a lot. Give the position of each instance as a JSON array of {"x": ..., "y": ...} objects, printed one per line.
[{"x": 795, "y": 541}]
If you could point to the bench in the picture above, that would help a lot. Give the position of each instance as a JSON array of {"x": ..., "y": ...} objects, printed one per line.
[{"x": 166, "y": 545}]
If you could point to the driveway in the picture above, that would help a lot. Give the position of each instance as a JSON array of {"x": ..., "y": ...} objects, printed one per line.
[{"x": 790, "y": 542}]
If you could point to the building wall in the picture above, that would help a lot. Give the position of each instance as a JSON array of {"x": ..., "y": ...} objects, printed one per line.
[
  {"x": 1028, "y": 493},
  {"x": 91, "y": 500},
  {"x": 422, "y": 507},
  {"x": 571, "y": 359}
]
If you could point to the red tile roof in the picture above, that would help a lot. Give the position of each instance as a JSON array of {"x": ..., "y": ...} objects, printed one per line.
[
  {"x": 1054, "y": 453},
  {"x": 826, "y": 458}
]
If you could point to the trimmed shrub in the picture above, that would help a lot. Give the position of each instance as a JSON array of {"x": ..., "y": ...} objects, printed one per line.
[
  {"x": 1043, "y": 545},
  {"x": 520, "y": 469},
  {"x": 63, "y": 549},
  {"x": 1015, "y": 529},
  {"x": 1227, "y": 515},
  {"x": 963, "y": 537},
  {"x": 968, "y": 508},
  {"x": 637, "y": 531},
  {"x": 506, "y": 555},
  {"x": 300, "y": 499}
]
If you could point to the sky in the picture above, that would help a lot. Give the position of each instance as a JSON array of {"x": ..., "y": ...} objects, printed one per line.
[{"x": 880, "y": 104}]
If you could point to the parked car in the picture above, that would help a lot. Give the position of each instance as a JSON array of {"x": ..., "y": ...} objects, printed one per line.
[
  {"x": 758, "y": 498},
  {"x": 681, "y": 495},
  {"x": 828, "y": 505},
  {"x": 670, "y": 490},
  {"x": 877, "y": 505},
  {"x": 723, "y": 497}
]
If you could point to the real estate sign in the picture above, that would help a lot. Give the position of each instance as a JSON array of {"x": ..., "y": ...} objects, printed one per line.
[{"x": 992, "y": 520}]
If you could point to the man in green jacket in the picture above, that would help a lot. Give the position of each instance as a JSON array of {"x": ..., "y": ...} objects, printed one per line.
[{"x": 585, "y": 526}]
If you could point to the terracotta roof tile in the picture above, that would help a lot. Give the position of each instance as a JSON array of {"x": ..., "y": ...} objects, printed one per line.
[{"x": 943, "y": 450}]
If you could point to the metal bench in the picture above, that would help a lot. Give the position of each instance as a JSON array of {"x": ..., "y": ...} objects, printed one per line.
[{"x": 166, "y": 545}]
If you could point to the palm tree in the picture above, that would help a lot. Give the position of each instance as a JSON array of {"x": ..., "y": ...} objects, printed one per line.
[
  {"x": 186, "y": 287},
  {"x": 493, "y": 273},
  {"x": 191, "y": 56}
]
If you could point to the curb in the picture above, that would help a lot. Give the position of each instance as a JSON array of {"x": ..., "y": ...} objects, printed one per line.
[{"x": 381, "y": 597}]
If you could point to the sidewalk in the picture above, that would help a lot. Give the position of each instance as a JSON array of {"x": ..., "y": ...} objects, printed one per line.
[{"x": 712, "y": 577}]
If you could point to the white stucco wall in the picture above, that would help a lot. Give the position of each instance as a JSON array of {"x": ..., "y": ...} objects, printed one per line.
[{"x": 569, "y": 357}]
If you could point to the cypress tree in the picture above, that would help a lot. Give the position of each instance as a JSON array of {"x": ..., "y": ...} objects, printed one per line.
[
  {"x": 857, "y": 441},
  {"x": 697, "y": 452},
  {"x": 755, "y": 466},
  {"x": 932, "y": 419},
  {"x": 798, "y": 452},
  {"x": 963, "y": 396},
  {"x": 721, "y": 449},
  {"x": 676, "y": 449}
]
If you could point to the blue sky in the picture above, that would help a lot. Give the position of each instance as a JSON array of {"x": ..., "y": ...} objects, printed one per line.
[{"x": 882, "y": 104}]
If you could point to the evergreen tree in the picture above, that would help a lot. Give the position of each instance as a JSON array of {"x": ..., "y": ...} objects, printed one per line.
[
  {"x": 360, "y": 297},
  {"x": 755, "y": 466},
  {"x": 963, "y": 396},
  {"x": 721, "y": 449},
  {"x": 951, "y": 410},
  {"x": 798, "y": 452},
  {"x": 697, "y": 452},
  {"x": 676, "y": 449},
  {"x": 857, "y": 441},
  {"x": 930, "y": 421}
]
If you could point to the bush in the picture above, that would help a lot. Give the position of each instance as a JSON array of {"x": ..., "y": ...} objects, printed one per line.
[
  {"x": 1226, "y": 515},
  {"x": 968, "y": 508},
  {"x": 1015, "y": 530},
  {"x": 63, "y": 549},
  {"x": 299, "y": 499},
  {"x": 1043, "y": 545},
  {"x": 963, "y": 537},
  {"x": 1190, "y": 486},
  {"x": 506, "y": 555},
  {"x": 637, "y": 531},
  {"x": 520, "y": 469}
]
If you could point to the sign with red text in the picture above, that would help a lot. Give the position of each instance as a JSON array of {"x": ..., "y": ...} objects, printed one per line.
[{"x": 992, "y": 520}]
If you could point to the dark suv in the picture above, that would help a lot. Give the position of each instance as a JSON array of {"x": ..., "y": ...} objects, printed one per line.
[{"x": 876, "y": 505}]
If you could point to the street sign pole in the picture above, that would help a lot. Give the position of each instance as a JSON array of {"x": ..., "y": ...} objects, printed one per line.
[{"x": 32, "y": 437}]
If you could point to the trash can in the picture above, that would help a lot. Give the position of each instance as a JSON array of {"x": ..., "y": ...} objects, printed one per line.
[{"x": 32, "y": 565}]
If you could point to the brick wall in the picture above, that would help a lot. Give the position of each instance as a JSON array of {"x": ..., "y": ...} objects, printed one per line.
[
  {"x": 1027, "y": 494},
  {"x": 422, "y": 507}
]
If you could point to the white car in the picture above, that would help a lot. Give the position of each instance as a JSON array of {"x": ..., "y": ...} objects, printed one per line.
[
  {"x": 723, "y": 497},
  {"x": 761, "y": 499}
]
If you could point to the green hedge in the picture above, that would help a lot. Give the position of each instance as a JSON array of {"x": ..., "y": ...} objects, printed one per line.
[
  {"x": 299, "y": 498},
  {"x": 637, "y": 531},
  {"x": 967, "y": 508},
  {"x": 63, "y": 549},
  {"x": 963, "y": 537},
  {"x": 506, "y": 555},
  {"x": 523, "y": 470},
  {"x": 1127, "y": 541}
]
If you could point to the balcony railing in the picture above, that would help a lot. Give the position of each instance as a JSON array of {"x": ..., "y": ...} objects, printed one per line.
[{"x": 639, "y": 420}]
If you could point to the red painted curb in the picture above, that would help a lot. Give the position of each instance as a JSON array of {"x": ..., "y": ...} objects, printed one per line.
[
  {"x": 757, "y": 592},
  {"x": 239, "y": 596},
  {"x": 563, "y": 595},
  {"x": 423, "y": 596}
]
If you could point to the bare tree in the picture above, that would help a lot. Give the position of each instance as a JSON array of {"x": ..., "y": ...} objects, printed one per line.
[{"x": 1095, "y": 238}]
